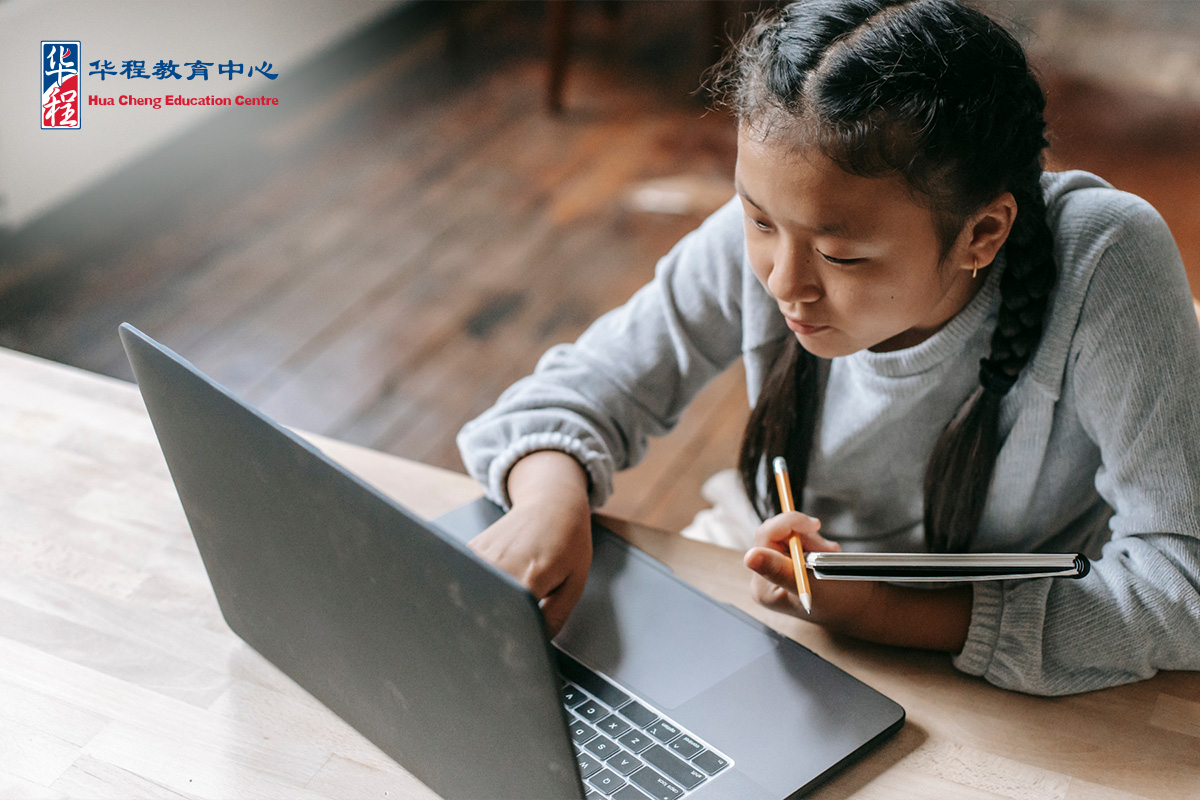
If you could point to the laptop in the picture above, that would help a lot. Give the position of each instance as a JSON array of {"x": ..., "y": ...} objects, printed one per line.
[{"x": 651, "y": 690}]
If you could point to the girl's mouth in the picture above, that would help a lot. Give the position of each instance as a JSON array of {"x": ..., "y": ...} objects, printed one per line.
[{"x": 803, "y": 328}]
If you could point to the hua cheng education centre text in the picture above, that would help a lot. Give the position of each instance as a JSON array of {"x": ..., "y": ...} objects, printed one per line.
[{"x": 180, "y": 100}]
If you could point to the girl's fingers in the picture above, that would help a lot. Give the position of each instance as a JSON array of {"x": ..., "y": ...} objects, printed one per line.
[
  {"x": 776, "y": 531},
  {"x": 557, "y": 604},
  {"x": 770, "y": 596},
  {"x": 775, "y": 567},
  {"x": 774, "y": 584}
]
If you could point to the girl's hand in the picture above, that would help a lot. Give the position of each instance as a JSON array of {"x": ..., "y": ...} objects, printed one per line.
[
  {"x": 840, "y": 605},
  {"x": 933, "y": 619},
  {"x": 545, "y": 540}
]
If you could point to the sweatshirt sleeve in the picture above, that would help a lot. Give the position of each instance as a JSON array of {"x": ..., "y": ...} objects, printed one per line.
[
  {"x": 629, "y": 375},
  {"x": 1135, "y": 364}
]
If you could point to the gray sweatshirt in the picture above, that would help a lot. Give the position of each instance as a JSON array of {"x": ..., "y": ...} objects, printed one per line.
[{"x": 1101, "y": 433}]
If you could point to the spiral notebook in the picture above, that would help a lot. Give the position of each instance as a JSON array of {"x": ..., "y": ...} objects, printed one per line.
[{"x": 942, "y": 567}]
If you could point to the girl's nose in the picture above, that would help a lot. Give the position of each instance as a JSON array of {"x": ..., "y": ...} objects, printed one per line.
[{"x": 792, "y": 278}]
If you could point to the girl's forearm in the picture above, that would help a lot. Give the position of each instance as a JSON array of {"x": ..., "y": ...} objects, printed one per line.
[{"x": 935, "y": 619}]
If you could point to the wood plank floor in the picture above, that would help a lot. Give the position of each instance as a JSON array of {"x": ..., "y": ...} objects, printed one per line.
[{"x": 379, "y": 259}]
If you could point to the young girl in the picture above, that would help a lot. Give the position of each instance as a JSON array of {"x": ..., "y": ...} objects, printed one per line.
[{"x": 954, "y": 350}]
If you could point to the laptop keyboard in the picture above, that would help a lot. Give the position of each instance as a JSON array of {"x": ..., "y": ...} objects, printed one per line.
[{"x": 627, "y": 750}]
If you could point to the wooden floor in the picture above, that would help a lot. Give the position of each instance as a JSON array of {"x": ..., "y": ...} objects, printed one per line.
[{"x": 379, "y": 259}]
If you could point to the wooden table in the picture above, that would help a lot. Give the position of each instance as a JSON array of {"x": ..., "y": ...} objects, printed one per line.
[{"x": 119, "y": 678}]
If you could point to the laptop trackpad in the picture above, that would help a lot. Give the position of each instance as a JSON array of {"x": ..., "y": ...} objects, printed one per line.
[{"x": 650, "y": 632}]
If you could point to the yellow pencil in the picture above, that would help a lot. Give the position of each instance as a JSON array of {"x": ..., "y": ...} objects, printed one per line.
[{"x": 786, "y": 502}]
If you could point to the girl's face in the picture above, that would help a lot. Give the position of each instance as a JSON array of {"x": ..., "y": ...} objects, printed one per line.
[{"x": 852, "y": 262}]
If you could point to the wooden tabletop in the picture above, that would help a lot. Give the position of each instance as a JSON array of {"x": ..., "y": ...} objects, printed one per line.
[{"x": 119, "y": 677}]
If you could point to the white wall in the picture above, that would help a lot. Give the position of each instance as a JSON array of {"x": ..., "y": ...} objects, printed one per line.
[
  {"x": 39, "y": 169},
  {"x": 1150, "y": 46}
]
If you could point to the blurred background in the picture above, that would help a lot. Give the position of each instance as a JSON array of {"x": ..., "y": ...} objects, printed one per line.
[{"x": 448, "y": 189}]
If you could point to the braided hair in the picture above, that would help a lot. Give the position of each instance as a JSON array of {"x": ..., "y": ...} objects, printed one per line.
[{"x": 941, "y": 95}]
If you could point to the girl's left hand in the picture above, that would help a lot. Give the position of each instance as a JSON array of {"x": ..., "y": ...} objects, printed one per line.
[{"x": 839, "y": 605}]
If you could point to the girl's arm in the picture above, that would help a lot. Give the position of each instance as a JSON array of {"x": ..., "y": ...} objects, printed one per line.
[
  {"x": 1133, "y": 378},
  {"x": 548, "y": 448},
  {"x": 545, "y": 540},
  {"x": 629, "y": 376}
]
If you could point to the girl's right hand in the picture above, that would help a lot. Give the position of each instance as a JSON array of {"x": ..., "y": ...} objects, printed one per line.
[
  {"x": 545, "y": 540},
  {"x": 839, "y": 605}
]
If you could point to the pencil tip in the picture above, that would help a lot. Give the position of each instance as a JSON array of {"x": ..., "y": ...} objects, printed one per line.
[
  {"x": 780, "y": 464},
  {"x": 806, "y": 601}
]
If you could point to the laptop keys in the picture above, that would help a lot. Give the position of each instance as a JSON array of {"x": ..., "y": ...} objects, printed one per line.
[
  {"x": 638, "y": 714},
  {"x": 590, "y": 681},
  {"x": 685, "y": 746},
  {"x": 627, "y": 792},
  {"x": 636, "y": 741},
  {"x": 587, "y": 765},
  {"x": 607, "y": 781},
  {"x": 663, "y": 731},
  {"x": 674, "y": 768},
  {"x": 710, "y": 762},
  {"x": 613, "y": 725},
  {"x": 572, "y": 696},
  {"x": 581, "y": 731},
  {"x": 591, "y": 711},
  {"x": 655, "y": 785},
  {"x": 680, "y": 761},
  {"x": 623, "y": 762},
  {"x": 602, "y": 746}
]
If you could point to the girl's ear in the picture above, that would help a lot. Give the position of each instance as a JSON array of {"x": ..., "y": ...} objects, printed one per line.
[{"x": 987, "y": 230}]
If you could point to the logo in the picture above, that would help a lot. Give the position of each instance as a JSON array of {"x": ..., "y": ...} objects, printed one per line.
[{"x": 60, "y": 85}]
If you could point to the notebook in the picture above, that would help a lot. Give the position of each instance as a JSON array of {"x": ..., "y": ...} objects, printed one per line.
[
  {"x": 944, "y": 567},
  {"x": 651, "y": 690}
]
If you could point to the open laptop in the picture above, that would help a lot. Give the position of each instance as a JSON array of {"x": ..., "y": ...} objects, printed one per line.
[{"x": 651, "y": 690}]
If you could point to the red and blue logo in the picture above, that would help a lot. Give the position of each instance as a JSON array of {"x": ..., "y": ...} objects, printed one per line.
[{"x": 60, "y": 85}]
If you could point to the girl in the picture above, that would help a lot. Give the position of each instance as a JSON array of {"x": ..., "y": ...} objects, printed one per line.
[{"x": 954, "y": 350}]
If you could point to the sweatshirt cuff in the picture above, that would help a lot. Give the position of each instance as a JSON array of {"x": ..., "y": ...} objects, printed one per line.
[
  {"x": 987, "y": 609},
  {"x": 599, "y": 486}
]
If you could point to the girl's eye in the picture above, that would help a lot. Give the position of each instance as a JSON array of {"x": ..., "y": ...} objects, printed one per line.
[
  {"x": 762, "y": 226},
  {"x": 833, "y": 260}
]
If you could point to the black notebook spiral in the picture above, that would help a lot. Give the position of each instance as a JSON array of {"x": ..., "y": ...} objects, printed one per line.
[{"x": 946, "y": 566}]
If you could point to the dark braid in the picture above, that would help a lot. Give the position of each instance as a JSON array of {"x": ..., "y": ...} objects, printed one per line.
[
  {"x": 781, "y": 422},
  {"x": 960, "y": 468},
  {"x": 1024, "y": 287},
  {"x": 941, "y": 95}
]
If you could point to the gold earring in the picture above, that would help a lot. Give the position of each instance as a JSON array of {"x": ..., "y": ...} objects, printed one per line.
[{"x": 974, "y": 268}]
